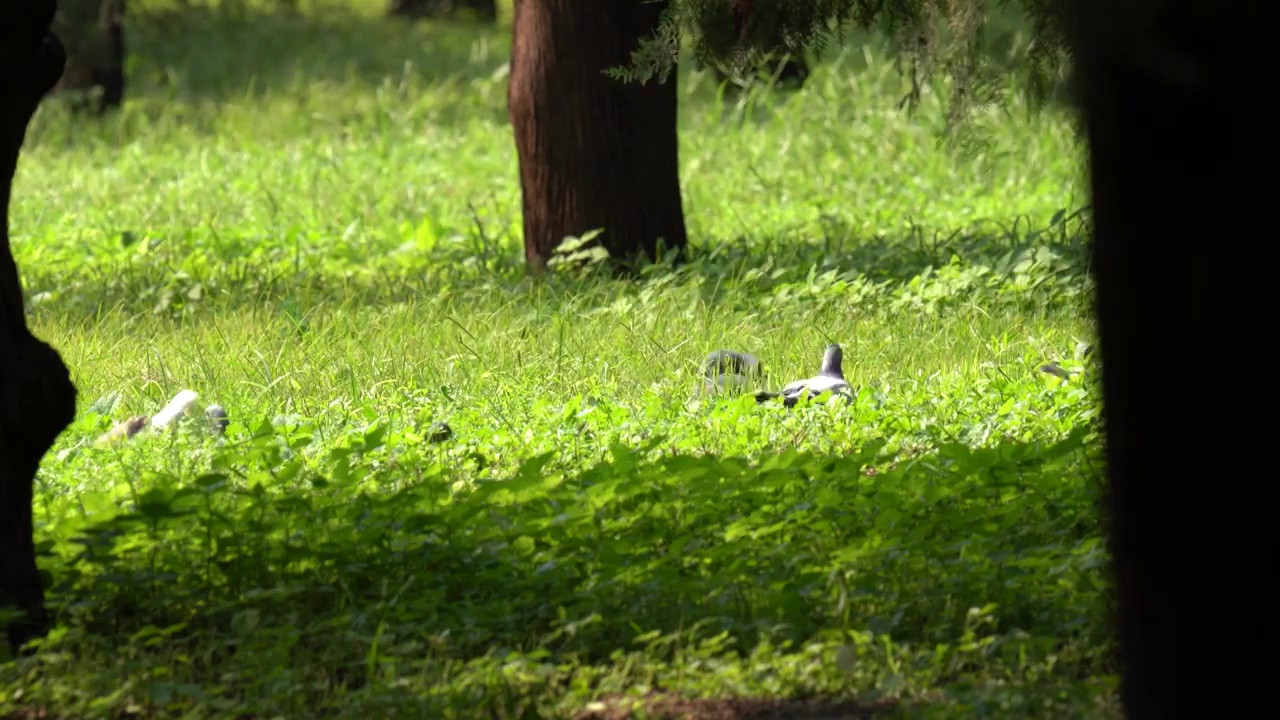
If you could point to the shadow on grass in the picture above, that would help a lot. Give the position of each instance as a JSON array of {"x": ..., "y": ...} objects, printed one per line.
[
  {"x": 222, "y": 54},
  {"x": 1023, "y": 266},
  {"x": 679, "y": 558},
  {"x": 201, "y": 53},
  {"x": 996, "y": 254}
]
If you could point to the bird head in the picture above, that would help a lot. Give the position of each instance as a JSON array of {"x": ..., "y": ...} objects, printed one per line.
[{"x": 831, "y": 358}]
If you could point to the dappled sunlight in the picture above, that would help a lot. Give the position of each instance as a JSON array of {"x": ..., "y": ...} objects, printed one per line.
[{"x": 312, "y": 218}]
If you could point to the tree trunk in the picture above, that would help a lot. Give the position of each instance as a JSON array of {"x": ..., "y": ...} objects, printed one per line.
[
  {"x": 1184, "y": 269},
  {"x": 486, "y": 10},
  {"x": 37, "y": 399},
  {"x": 594, "y": 152},
  {"x": 92, "y": 32}
]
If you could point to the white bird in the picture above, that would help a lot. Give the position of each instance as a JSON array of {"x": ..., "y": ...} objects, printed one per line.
[
  {"x": 829, "y": 379},
  {"x": 176, "y": 408},
  {"x": 179, "y": 407}
]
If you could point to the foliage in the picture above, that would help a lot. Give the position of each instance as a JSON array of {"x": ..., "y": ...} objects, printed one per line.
[
  {"x": 317, "y": 226},
  {"x": 947, "y": 40}
]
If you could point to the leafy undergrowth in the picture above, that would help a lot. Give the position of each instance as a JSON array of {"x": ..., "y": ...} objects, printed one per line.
[
  {"x": 321, "y": 233},
  {"x": 905, "y": 542}
]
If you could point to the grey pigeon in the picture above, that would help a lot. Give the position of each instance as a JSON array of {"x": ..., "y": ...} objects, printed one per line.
[
  {"x": 438, "y": 432},
  {"x": 725, "y": 369},
  {"x": 1053, "y": 368},
  {"x": 829, "y": 379},
  {"x": 218, "y": 419}
]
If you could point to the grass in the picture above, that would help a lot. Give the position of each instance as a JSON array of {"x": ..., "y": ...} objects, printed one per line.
[{"x": 313, "y": 220}]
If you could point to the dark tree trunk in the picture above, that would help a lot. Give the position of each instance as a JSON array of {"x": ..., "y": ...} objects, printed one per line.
[
  {"x": 594, "y": 152},
  {"x": 37, "y": 399},
  {"x": 418, "y": 9},
  {"x": 1179, "y": 157},
  {"x": 110, "y": 75},
  {"x": 93, "y": 33}
]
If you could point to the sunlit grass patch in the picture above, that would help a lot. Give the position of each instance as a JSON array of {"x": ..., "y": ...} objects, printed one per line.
[{"x": 321, "y": 232}]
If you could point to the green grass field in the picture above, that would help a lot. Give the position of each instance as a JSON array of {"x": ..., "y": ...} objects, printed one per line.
[{"x": 314, "y": 220}]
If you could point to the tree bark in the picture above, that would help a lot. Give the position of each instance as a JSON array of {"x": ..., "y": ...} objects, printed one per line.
[
  {"x": 594, "y": 152},
  {"x": 92, "y": 33},
  {"x": 37, "y": 398},
  {"x": 1178, "y": 159}
]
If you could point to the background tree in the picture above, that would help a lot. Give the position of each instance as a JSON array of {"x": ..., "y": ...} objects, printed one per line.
[
  {"x": 934, "y": 38},
  {"x": 1181, "y": 263},
  {"x": 37, "y": 399},
  {"x": 92, "y": 32},
  {"x": 594, "y": 153},
  {"x": 486, "y": 10}
]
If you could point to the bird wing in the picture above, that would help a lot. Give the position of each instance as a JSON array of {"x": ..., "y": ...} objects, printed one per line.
[
  {"x": 823, "y": 383},
  {"x": 796, "y": 387},
  {"x": 815, "y": 386},
  {"x": 175, "y": 409}
]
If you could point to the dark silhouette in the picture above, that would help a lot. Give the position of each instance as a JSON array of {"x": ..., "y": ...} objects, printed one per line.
[
  {"x": 37, "y": 399},
  {"x": 92, "y": 32},
  {"x": 594, "y": 152},
  {"x": 791, "y": 73},
  {"x": 486, "y": 10},
  {"x": 1178, "y": 156}
]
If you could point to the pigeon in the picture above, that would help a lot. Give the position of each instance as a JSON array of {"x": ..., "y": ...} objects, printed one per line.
[
  {"x": 726, "y": 369},
  {"x": 1083, "y": 354},
  {"x": 176, "y": 408},
  {"x": 179, "y": 407},
  {"x": 218, "y": 419},
  {"x": 829, "y": 379},
  {"x": 124, "y": 430},
  {"x": 1053, "y": 368},
  {"x": 438, "y": 432}
]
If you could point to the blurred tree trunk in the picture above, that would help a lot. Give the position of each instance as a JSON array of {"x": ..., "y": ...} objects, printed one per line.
[
  {"x": 37, "y": 399},
  {"x": 594, "y": 152},
  {"x": 1184, "y": 272},
  {"x": 92, "y": 31},
  {"x": 486, "y": 10}
]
